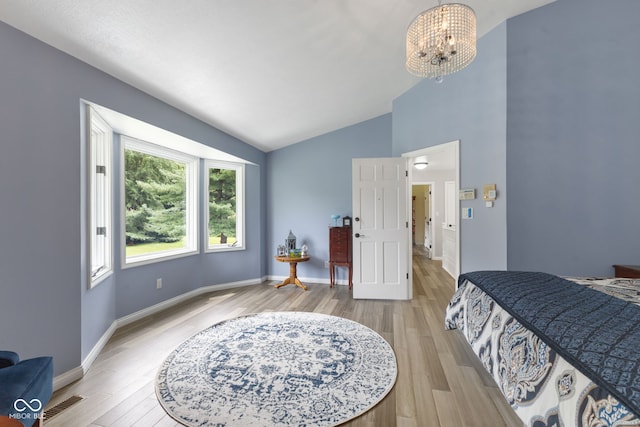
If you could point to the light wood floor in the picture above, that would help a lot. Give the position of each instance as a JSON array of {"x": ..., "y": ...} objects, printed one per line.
[{"x": 440, "y": 382}]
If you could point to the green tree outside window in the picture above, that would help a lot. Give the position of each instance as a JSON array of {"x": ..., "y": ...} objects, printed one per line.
[
  {"x": 155, "y": 207},
  {"x": 222, "y": 206}
]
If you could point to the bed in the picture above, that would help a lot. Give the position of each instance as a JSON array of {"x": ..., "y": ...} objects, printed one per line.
[{"x": 563, "y": 351}]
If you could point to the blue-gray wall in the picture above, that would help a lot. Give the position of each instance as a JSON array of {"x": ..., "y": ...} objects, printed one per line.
[
  {"x": 45, "y": 307},
  {"x": 469, "y": 106},
  {"x": 308, "y": 182},
  {"x": 573, "y": 126}
]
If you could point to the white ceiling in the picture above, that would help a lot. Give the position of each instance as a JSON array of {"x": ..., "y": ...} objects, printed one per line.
[{"x": 271, "y": 73}]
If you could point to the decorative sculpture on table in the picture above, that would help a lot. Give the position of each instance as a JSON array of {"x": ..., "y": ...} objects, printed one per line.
[{"x": 290, "y": 242}]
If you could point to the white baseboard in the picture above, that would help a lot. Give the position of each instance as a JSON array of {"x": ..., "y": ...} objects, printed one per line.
[
  {"x": 78, "y": 372},
  {"x": 95, "y": 351},
  {"x": 67, "y": 378}
]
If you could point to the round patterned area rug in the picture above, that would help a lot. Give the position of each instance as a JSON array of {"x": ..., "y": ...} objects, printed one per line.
[{"x": 277, "y": 369}]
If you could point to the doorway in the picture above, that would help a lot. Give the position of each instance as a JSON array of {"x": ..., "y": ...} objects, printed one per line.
[
  {"x": 442, "y": 165},
  {"x": 381, "y": 204},
  {"x": 421, "y": 210}
]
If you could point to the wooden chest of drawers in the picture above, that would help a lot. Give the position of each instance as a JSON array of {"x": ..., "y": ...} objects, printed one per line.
[
  {"x": 629, "y": 271},
  {"x": 340, "y": 248}
]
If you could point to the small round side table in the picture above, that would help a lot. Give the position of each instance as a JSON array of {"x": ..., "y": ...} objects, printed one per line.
[{"x": 293, "y": 276}]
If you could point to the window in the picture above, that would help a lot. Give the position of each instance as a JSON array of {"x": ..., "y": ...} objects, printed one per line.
[
  {"x": 160, "y": 199},
  {"x": 224, "y": 186},
  {"x": 160, "y": 202},
  {"x": 100, "y": 197}
]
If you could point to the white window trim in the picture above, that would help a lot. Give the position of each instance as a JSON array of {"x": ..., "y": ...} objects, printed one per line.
[
  {"x": 240, "y": 203},
  {"x": 102, "y": 147},
  {"x": 192, "y": 168}
]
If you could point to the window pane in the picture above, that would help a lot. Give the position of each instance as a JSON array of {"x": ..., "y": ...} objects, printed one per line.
[
  {"x": 222, "y": 207},
  {"x": 155, "y": 204}
]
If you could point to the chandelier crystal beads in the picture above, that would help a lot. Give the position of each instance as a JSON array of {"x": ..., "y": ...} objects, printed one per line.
[{"x": 441, "y": 41}]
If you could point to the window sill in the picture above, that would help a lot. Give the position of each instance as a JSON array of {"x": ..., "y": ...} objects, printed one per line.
[
  {"x": 224, "y": 248},
  {"x": 157, "y": 257},
  {"x": 95, "y": 281}
]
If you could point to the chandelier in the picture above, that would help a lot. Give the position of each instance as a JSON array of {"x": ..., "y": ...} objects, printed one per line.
[{"x": 441, "y": 41}]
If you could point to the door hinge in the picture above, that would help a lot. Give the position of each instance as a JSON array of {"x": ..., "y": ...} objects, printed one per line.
[
  {"x": 101, "y": 231},
  {"x": 406, "y": 173},
  {"x": 407, "y": 224},
  {"x": 101, "y": 169},
  {"x": 407, "y": 276}
]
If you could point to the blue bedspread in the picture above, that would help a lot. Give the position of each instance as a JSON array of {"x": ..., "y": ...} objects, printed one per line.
[{"x": 597, "y": 333}]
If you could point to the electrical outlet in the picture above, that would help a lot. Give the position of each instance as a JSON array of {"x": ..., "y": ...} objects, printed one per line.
[{"x": 159, "y": 283}]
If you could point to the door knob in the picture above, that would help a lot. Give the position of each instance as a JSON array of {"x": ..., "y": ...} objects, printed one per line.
[
  {"x": 357, "y": 219},
  {"x": 357, "y": 235}
]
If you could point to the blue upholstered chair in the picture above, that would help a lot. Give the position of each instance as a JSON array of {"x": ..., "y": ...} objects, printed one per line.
[{"x": 25, "y": 386}]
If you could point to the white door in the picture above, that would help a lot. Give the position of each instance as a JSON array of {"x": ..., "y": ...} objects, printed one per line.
[{"x": 381, "y": 233}]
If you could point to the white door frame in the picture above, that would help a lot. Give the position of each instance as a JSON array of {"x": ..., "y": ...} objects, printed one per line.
[
  {"x": 429, "y": 225},
  {"x": 455, "y": 145}
]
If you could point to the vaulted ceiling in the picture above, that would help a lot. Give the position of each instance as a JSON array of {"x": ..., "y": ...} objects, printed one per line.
[{"x": 271, "y": 73}]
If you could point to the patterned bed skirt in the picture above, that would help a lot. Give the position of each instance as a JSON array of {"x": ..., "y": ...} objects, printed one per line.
[{"x": 540, "y": 385}]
